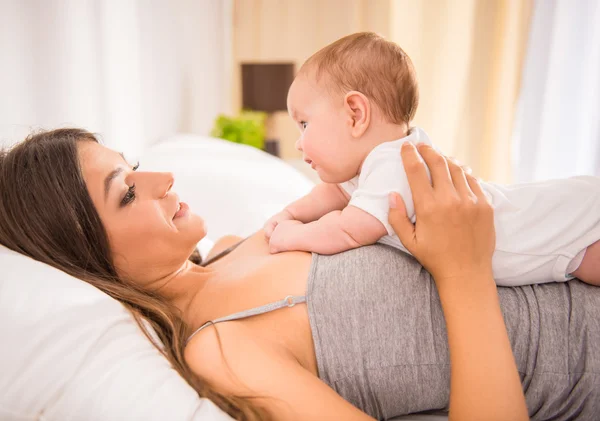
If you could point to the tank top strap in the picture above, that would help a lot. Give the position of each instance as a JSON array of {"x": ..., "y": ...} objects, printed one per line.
[{"x": 289, "y": 301}]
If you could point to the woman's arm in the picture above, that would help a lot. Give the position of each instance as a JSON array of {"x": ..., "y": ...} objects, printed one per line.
[
  {"x": 285, "y": 389},
  {"x": 454, "y": 240}
]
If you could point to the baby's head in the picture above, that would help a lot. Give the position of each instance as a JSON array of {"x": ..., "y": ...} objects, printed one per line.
[{"x": 349, "y": 97}]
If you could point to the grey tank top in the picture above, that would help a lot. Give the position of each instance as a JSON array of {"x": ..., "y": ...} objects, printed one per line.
[{"x": 380, "y": 337}]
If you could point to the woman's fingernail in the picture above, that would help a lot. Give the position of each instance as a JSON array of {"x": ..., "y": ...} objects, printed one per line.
[
  {"x": 393, "y": 200},
  {"x": 407, "y": 145}
]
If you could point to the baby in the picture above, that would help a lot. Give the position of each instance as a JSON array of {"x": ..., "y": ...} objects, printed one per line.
[{"x": 353, "y": 102}]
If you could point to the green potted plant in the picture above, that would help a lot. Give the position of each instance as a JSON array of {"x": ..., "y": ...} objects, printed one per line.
[{"x": 248, "y": 128}]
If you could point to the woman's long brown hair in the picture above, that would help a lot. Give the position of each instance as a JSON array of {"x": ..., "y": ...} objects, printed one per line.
[{"x": 46, "y": 213}]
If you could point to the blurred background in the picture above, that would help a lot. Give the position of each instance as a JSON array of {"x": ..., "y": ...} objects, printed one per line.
[{"x": 511, "y": 87}]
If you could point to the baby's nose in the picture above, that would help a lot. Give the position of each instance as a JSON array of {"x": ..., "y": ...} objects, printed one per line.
[{"x": 298, "y": 145}]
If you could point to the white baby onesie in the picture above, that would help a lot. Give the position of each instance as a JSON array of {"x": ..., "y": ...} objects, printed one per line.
[{"x": 542, "y": 228}]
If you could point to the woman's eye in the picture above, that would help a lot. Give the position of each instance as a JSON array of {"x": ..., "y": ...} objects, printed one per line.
[
  {"x": 303, "y": 124},
  {"x": 136, "y": 166},
  {"x": 129, "y": 196}
]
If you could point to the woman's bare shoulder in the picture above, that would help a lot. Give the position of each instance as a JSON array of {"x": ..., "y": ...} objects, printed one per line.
[
  {"x": 220, "y": 351},
  {"x": 235, "y": 362}
]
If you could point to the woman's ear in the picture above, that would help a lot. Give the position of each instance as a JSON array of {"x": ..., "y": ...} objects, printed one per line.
[{"x": 358, "y": 108}]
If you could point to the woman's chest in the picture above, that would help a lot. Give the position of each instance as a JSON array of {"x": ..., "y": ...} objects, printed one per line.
[{"x": 252, "y": 277}]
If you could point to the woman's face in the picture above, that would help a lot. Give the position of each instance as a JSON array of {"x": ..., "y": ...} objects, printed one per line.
[{"x": 147, "y": 240}]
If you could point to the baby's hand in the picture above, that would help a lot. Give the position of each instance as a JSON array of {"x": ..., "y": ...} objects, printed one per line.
[
  {"x": 270, "y": 225},
  {"x": 282, "y": 238}
]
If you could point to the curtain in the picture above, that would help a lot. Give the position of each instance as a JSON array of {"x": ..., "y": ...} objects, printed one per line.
[
  {"x": 133, "y": 71},
  {"x": 468, "y": 56},
  {"x": 557, "y": 133}
]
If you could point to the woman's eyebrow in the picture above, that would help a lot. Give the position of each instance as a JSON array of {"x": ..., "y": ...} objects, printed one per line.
[
  {"x": 111, "y": 176},
  {"x": 108, "y": 180}
]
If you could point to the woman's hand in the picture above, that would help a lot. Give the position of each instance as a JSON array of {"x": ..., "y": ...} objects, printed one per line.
[
  {"x": 454, "y": 233},
  {"x": 454, "y": 238}
]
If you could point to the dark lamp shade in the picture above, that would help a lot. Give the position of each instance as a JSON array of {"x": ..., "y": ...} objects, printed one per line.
[{"x": 265, "y": 86}]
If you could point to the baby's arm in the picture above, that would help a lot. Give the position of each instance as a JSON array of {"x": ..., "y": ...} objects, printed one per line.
[
  {"x": 364, "y": 219},
  {"x": 322, "y": 199},
  {"x": 335, "y": 232}
]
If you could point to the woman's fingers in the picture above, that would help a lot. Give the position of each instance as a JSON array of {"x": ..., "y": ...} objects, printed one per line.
[
  {"x": 416, "y": 174},
  {"x": 465, "y": 168},
  {"x": 398, "y": 219},
  {"x": 476, "y": 189},
  {"x": 460, "y": 180},
  {"x": 438, "y": 167},
  {"x": 454, "y": 230}
]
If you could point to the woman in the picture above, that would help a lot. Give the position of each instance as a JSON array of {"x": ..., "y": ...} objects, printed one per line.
[{"x": 372, "y": 328}]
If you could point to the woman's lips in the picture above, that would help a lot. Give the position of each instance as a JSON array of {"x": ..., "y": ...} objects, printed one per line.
[{"x": 183, "y": 209}]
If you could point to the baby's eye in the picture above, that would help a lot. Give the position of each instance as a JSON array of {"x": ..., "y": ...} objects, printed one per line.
[{"x": 303, "y": 124}]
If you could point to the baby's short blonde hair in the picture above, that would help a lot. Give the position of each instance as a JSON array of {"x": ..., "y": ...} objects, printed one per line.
[{"x": 368, "y": 63}]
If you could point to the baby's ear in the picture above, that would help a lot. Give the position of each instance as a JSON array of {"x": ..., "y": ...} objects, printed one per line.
[{"x": 358, "y": 108}]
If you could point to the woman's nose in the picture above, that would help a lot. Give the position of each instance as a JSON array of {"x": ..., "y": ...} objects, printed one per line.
[
  {"x": 167, "y": 182},
  {"x": 157, "y": 184}
]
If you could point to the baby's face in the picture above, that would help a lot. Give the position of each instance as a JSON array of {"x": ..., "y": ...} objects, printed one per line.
[{"x": 325, "y": 138}]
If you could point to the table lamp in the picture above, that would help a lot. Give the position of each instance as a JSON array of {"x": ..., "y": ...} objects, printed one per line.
[{"x": 264, "y": 88}]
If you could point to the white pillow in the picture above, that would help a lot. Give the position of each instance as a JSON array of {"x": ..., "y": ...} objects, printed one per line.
[{"x": 70, "y": 352}]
